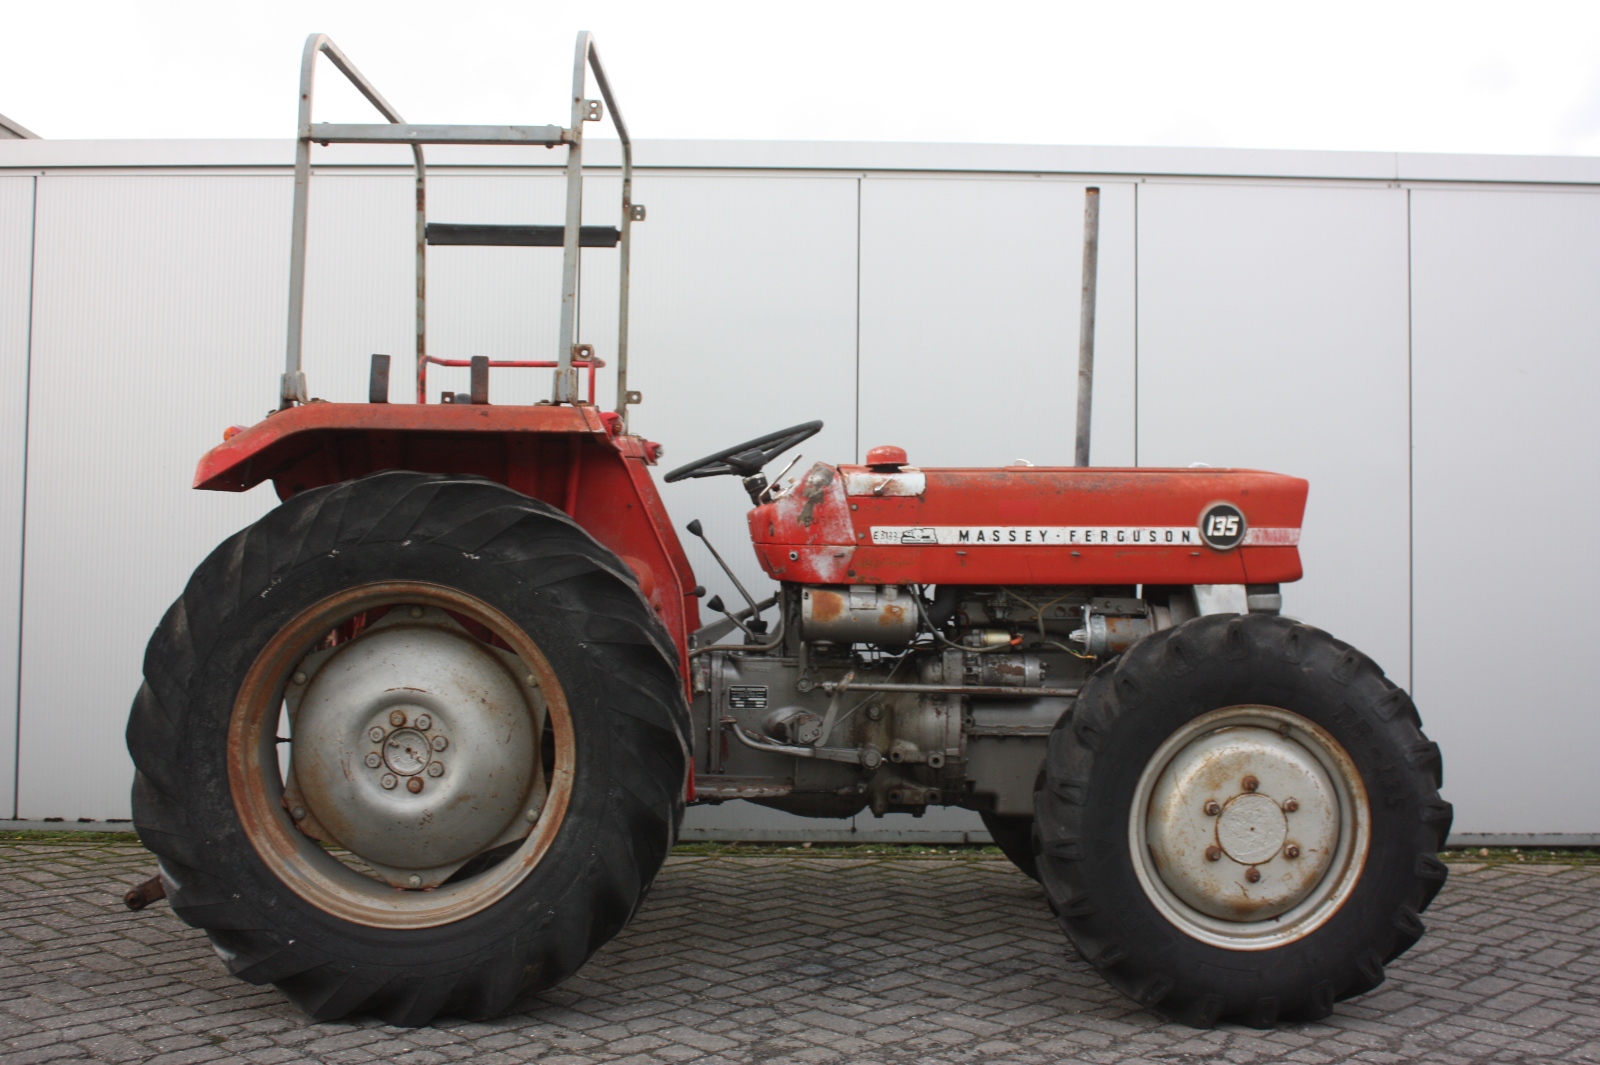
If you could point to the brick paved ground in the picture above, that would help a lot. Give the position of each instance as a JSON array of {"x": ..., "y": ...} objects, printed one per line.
[{"x": 795, "y": 959}]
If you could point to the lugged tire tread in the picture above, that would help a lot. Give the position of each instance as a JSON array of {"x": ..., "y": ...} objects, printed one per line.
[
  {"x": 568, "y": 574},
  {"x": 1063, "y": 807},
  {"x": 1013, "y": 834}
]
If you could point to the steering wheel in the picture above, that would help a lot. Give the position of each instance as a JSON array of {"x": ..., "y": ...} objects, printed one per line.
[{"x": 747, "y": 459}]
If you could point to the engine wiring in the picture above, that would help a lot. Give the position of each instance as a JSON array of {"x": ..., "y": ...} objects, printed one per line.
[
  {"x": 1038, "y": 616},
  {"x": 922, "y": 615}
]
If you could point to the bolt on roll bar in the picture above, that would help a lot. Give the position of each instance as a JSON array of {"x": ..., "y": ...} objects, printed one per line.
[{"x": 397, "y": 131}]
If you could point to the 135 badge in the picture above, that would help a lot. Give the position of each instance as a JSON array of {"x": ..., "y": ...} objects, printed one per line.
[{"x": 1222, "y": 526}]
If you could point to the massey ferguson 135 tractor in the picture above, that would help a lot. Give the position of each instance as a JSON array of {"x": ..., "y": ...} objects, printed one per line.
[{"x": 422, "y": 736}]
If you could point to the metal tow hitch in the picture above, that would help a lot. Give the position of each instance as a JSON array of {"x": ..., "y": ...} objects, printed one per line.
[{"x": 141, "y": 895}]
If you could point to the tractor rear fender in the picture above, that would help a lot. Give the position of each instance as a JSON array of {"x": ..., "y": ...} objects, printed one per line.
[{"x": 567, "y": 456}]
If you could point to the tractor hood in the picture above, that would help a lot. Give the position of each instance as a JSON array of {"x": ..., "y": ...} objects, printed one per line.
[{"x": 1032, "y": 525}]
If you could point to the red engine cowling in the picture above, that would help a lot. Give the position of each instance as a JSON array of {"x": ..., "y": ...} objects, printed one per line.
[{"x": 1031, "y": 525}]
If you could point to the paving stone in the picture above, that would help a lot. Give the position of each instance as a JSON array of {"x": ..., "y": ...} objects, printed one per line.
[{"x": 885, "y": 962}]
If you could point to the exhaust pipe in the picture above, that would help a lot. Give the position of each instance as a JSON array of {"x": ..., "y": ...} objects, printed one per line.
[{"x": 1091, "y": 269}]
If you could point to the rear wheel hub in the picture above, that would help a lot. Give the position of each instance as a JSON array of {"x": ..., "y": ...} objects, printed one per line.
[
  {"x": 430, "y": 751},
  {"x": 415, "y": 746}
]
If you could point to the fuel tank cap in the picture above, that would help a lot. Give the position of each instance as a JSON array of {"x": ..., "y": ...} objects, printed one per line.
[{"x": 887, "y": 457}]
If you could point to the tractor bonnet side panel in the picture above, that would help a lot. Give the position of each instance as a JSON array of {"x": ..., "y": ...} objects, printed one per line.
[{"x": 1033, "y": 525}]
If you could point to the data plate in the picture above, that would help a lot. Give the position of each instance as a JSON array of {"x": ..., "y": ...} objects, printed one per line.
[{"x": 747, "y": 697}]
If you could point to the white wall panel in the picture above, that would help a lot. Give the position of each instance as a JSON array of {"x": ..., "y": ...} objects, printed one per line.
[
  {"x": 1507, "y": 386},
  {"x": 970, "y": 290},
  {"x": 159, "y": 306},
  {"x": 360, "y": 283},
  {"x": 1271, "y": 320},
  {"x": 501, "y": 302},
  {"x": 1272, "y": 334},
  {"x": 16, "y": 255},
  {"x": 743, "y": 323}
]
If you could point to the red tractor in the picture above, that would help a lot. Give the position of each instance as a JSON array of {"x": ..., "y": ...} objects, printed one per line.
[{"x": 422, "y": 736}]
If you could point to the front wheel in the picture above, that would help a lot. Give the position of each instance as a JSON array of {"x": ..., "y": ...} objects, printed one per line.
[
  {"x": 408, "y": 745},
  {"x": 1240, "y": 820}
]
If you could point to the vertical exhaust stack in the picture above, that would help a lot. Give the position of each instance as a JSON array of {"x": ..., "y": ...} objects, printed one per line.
[{"x": 1091, "y": 268}]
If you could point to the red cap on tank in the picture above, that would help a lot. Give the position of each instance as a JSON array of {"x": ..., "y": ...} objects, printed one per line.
[{"x": 887, "y": 457}]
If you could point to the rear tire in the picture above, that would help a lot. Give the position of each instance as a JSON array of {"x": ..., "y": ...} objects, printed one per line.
[
  {"x": 614, "y": 753},
  {"x": 1173, "y": 917},
  {"x": 1013, "y": 834}
]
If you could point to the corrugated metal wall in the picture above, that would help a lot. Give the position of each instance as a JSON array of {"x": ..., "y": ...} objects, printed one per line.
[
  {"x": 157, "y": 314},
  {"x": 16, "y": 260},
  {"x": 1506, "y": 386},
  {"x": 1272, "y": 333},
  {"x": 1423, "y": 352}
]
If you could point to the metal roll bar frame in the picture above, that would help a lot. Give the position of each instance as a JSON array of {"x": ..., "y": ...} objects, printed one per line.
[{"x": 292, "y": 388}]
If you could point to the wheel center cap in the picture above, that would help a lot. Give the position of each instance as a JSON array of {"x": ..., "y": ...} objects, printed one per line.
[
  {"x": 443, "y": 733},
  {"x": 1251, "y": 829},
  {"x": 407, "y": 752}
]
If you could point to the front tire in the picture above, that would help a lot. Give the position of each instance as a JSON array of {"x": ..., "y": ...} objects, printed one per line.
[
  {"x": 1240, "y": 820},
  {"x": 521, "y": 784}
]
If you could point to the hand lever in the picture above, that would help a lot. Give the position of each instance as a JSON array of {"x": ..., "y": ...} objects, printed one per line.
[
  {"x": 716, "y": 603},
  {"x": 756, "y": 624}
]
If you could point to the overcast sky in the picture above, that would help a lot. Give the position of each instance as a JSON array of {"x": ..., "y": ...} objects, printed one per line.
[{"x": 1426, "y": 77}]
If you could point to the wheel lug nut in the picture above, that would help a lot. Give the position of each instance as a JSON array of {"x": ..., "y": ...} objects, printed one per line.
[
  {"x": 1290, "y": 807},
  {"x": 423, "y": 722},
  {"x": 440, "y": 743},
  {"x": 1252, "y": 874},
  {"x": 436, "y": 769},
  {"x": 389, "y": 780},
  {"x": 1213, "y": 854},
  {"x": 397, "y": 718},
  {"x": 533, "y": 681},
  {"x": 299, "y": 813},
  {"x": 375, "y": 734},
  {"x": 1212, "y": 809},
  {"x": 414, "y": 785},
  {"x": 298, "y": 678},
  {"x": 414, "y": 880},
  {"x": 1291, "y": 851},
  {"x": 416, "y": 611},
  {"x": 373, "y": 761},
  {"x": 1249, "y": 783}
]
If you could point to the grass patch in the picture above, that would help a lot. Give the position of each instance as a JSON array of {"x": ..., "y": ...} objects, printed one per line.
[
  {"x": 45, "y": 835},
  {"x": 1579, "y": 856}
]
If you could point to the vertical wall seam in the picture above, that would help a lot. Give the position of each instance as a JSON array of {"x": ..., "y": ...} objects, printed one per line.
[
  {"x": 855, "y": 824},
  {"x": 1411, "y": 474},
  {"x": 22, "y": 517},
  {"x": 859, "y": 182}
]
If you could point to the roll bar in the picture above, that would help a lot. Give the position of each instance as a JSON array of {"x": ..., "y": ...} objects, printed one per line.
[{"x": 396, "y": 130}]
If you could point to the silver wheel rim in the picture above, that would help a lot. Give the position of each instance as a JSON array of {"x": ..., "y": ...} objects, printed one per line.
[
  {"x": 415, "y": 746},
  {"x": 1249, "y": 827},
  {"x": 475, "y": 761}
]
